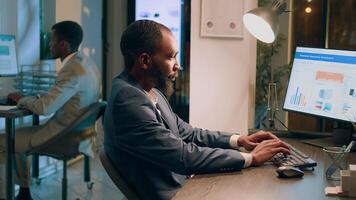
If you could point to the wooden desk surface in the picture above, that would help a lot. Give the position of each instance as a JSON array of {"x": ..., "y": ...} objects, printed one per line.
[{"x": 261, "y": 183}]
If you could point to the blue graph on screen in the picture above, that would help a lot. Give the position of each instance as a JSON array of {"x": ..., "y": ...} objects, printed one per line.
[{"x": 298, "y": 98}]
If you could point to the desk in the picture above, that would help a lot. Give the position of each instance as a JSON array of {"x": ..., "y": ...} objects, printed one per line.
[
  {"x": 10, "y": 116},
  {"x": 257, "y": 183}
]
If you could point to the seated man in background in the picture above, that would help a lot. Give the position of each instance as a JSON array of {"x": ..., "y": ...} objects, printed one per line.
[
  {"x": 77, "y": 86},
  {"x": 147, "y": 142}
]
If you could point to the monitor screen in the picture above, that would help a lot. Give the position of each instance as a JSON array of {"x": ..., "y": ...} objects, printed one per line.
[
  {"x": 8, "y": 59},
  {"x": 323, "y": 83}
]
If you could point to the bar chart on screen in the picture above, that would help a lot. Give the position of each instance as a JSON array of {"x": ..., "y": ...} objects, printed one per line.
[{"x": 298, "y": 98}]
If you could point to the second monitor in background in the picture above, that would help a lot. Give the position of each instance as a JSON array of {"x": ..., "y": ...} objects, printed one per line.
[{"x": 8, "y": 57}]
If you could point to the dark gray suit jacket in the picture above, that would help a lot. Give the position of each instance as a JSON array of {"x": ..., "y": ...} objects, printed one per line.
[{"x": 156, "y": 152}]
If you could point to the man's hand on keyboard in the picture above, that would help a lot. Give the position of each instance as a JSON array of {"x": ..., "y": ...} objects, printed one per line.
[
  {"x": 265, "y": 150},
  {"x": 14, "y": 97},
  {"x": 249, "y": 142}
]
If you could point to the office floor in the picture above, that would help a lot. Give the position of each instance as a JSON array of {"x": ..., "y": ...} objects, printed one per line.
[{"x": 50, "y": 187}]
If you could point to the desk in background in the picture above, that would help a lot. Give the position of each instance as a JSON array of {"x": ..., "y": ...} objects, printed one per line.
[
  {"x": 10, "y": 116},
  {"x": 257, "y": 183}
]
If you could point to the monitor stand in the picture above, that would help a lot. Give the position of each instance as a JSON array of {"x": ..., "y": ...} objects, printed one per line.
[
  {"x": 321, "y": 142},
  {"x": 340, "y": 137}
]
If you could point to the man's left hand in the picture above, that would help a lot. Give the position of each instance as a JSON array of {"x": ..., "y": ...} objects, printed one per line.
[
  {"x": 249, "y": 142},
  {"x": 14, "y": 97}
]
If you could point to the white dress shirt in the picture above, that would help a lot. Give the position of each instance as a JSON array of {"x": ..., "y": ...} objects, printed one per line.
[{"x": 234, "y": 144}]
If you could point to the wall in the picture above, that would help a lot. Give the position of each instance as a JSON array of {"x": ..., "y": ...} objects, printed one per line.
[
  {"x": 222, "y": 78},
  {"x": 8, "y": 16},
  {"x": 28, "y": 32}
]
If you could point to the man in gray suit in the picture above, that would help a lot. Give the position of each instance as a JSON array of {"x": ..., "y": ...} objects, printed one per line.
[
  {"x": 147, "y": 142},
  {"x": 78, "y": 85}
]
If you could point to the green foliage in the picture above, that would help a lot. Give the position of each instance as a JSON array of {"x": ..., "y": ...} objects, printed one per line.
[
  {"x": 265, "y": 52},
  {"x": 263, "y": 3}
]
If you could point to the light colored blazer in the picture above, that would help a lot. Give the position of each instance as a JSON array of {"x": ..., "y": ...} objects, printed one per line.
[
  {"x": 78, "y": 84},
  {"x": 156, "y": 150}
]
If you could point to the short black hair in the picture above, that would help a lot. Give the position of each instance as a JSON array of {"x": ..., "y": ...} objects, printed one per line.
[
  {"x": 69, "y": 31},
  {"x": 142, "y": 36}
]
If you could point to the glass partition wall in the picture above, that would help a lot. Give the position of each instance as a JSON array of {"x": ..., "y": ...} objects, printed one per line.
[{"x": 324, "y": 24}]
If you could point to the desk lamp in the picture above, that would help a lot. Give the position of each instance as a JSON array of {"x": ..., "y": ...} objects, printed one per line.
[{"x": 263, "y": 24}]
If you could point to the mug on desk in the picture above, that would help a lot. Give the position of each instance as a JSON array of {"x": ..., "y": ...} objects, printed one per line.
[{"x": 335, "y": 159}]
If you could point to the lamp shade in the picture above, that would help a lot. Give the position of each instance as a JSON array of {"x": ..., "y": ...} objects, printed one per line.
[{"x": 262, "y": 22}]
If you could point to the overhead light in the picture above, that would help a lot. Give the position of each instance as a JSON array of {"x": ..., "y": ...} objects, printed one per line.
[
  {"x": 262, "y": 22},
  {"x": 308, "y": 10}
]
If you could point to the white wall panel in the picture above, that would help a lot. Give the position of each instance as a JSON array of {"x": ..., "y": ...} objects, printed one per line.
[{"x": 222, "y": 78}]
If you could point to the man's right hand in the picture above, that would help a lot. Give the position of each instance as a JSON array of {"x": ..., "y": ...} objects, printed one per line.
[
  {"x": 15, "y": 97},
  {"x": 265, "y": 150}
]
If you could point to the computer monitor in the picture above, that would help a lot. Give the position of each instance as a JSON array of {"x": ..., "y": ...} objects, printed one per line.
[
  {"x": 8, "y": 58},
  {"x": 323, "y": 83}
]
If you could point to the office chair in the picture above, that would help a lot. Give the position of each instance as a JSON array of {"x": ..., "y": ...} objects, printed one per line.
[
  {"x": 68, "y": 141},
  {"x": 123, "y": 186}
]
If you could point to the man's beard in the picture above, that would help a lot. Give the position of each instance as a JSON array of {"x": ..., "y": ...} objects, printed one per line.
[
  {"x": 165, "y": 86},
  {"x": 164, "y": 83}
]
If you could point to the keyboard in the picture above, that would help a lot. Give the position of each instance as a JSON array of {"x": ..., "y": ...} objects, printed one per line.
[{"x": 295, "y": 159}]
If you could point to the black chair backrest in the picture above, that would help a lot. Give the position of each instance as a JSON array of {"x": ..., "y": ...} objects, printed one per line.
[
  {"x": 115, "y": 176},
  {"x": 78, "y": 127}
]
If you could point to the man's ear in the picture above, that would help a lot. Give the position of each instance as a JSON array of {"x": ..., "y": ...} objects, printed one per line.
[
  {"x": 144, "y": 60},
  {"x": 65, "y": 45}
]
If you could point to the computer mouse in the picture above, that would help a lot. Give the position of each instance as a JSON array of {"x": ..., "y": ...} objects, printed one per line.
[{"x": 289, "y": 172}]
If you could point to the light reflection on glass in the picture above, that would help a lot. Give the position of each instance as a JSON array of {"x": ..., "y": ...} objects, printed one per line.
[{"x": 308, "y": 10}]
